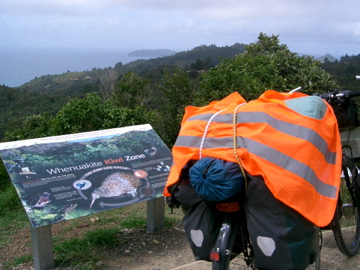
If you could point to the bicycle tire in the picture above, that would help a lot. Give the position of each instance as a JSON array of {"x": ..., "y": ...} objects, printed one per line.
[
  {"x": 223, "y": 246},
  {"x": 317, "y": 264},
  {"x": 346, "y": 224}
]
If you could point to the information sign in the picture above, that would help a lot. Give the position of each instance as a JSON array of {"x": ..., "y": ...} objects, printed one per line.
[{"x": 65, "y": 177}]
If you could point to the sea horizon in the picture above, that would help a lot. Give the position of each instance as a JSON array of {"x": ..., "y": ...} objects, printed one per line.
[{"x": 21, "y": 65}]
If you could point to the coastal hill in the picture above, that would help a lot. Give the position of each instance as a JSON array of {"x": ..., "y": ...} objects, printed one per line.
[
  {"x": 49, "y": 93},
  {"x": 152, "y": 53},
  {"x": 327, "y": 58},
  {"x": 78, "y": 83}
]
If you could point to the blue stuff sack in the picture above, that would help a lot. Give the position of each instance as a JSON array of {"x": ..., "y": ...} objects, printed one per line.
[{"x": 216, "y": 180}]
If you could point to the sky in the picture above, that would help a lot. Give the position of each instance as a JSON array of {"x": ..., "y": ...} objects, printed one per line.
[{"x": 311, "y": 27}]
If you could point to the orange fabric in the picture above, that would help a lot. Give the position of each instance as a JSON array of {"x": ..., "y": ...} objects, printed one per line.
[{"x": 305, "y": 173}]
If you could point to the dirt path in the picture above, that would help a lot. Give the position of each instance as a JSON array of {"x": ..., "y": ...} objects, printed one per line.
[
  {"x": 333, "y": 259},
  {"x": 169, "y": 249},
  {"x": 179, "y": 257}
]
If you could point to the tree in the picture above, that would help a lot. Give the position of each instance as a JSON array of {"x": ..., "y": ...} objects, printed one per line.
[
  {"x": 345, "y": 71},
  {"x": 89, "y": 113},
  {"x": 114, "y": 116},
  {"x": 131, "y": 91},
  {"x": 266, "y": 64},
  {"x": 177, "y": 92},
  {"x": 79, "y": 115},
  {"x": 107, "y": 83}
]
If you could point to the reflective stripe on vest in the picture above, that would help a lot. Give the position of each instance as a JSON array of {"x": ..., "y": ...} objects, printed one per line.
[
  {"x": 298, "y": 157},
  {"x": 261, "y": 117},
  {"x": 267, "y": 153}
]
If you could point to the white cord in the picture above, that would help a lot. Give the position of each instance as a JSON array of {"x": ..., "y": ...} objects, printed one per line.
[{"x": 206, "y": 131}]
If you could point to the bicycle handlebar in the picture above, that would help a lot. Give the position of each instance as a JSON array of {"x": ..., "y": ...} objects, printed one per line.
[
  {"x": 335, "y": 97},
  {"x": 348, "y": 94}
]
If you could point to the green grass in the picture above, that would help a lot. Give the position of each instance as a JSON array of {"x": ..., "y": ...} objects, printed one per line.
[
  {"x": 17, "y": 261},
  {"x": 12, "y": 219},
  {"x": 12, "y": 215},
  {"x": 84, "y": 252},
  {"x": 81, "y": 251},
  {"x": 133, "y": 222},
  {"x": 96, "y": 233}
]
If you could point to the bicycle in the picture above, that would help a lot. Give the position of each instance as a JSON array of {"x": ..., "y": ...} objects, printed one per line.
[
  {"x": 233, "y": 236},
  {"x": 346, "y": 222}
]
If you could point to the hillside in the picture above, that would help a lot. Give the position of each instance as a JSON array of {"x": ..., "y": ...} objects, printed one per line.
[
  {"x": 73, "y": 83},
  {"x": 67, "y": 83},
  {"x": 48, "y": 94},
  {"x": 152, "y": 53},
  {"x": 210, "y": 54},
  {"x": 327, "y": 58}
]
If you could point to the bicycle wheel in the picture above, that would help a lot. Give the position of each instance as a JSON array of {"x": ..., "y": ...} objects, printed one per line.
[
  {"x": 221, "y": 253},
  {"x": 317, "y": 263},
  {"x": 228, "y": 244},
  {"x": 345, "y": 224}
]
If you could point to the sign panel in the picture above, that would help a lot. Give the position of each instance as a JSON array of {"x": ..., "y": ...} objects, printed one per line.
[{"x": 65, "y": 177}]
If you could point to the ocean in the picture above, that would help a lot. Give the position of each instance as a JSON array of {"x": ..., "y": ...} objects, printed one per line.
[{"x": 19, "y": 66}]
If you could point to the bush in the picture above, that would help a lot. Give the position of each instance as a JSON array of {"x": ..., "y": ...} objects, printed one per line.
[
  {"x": 9, "y": 201},
  {"x": 265, "y": 65},
  {"x": 4, "y": 177}
]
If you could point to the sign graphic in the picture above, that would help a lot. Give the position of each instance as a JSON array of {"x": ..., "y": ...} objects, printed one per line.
[{"x": 65, "y": 177}]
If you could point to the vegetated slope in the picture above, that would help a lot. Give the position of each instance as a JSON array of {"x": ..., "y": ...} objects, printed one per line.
[
  {"x": 152, "y": 53},
  {"x": 16, "y": 105},
  {"x": 71, "y": 82},
  {"x": 68, "y": 83},
  {"x": 186, "y": 59},
  {"x": 49, "y": 93},
  {"x": 345, "y": 71}
]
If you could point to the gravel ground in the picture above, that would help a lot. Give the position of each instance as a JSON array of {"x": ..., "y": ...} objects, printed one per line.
[{"x": 169, "y": 249}]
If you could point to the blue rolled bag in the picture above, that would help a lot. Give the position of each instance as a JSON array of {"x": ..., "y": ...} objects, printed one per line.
[{"x": 216, "y": 180}]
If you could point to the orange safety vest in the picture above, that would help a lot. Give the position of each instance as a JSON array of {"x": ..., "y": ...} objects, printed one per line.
[{"x": 299, "y": 157}]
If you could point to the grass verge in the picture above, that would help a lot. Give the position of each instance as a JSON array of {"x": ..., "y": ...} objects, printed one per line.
[{"x": 78, "y": 243}]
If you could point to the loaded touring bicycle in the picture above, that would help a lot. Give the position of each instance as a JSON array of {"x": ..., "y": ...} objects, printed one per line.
[{"x": 283, "y": 156}]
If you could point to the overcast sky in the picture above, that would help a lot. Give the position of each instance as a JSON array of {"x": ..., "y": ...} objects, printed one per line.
[{"x": 306, "y": 26}]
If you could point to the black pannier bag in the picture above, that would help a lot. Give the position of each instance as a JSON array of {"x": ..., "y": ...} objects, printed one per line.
[
  {"x": 346, "y": 114},
  {"x": 280, "y": 236},
  {"x": 202, "y": 220}
]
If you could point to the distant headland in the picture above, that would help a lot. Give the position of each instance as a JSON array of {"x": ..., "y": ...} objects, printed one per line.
[{"x": 152, "y": 53}]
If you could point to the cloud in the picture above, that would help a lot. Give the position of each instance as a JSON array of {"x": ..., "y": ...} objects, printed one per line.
[{"x": 179, "y": 23}]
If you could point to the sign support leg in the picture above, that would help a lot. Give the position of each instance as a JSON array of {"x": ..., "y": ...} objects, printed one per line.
[
  {"x": 42, "y": 247},
  {"x": 155, "y": 215}
]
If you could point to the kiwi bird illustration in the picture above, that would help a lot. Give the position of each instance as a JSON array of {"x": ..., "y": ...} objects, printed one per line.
[{"x": 116, "y": 184}]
